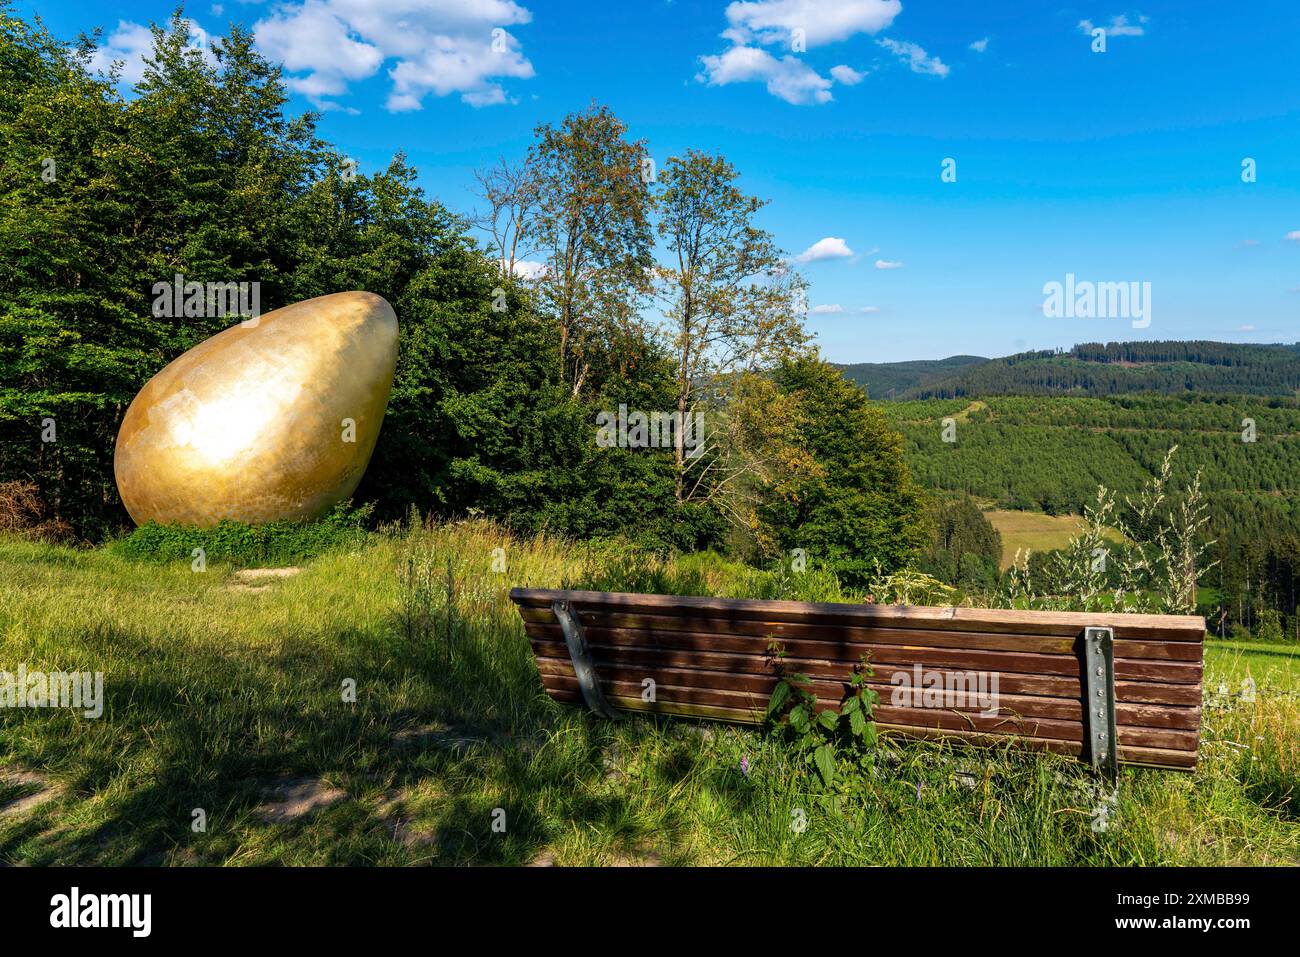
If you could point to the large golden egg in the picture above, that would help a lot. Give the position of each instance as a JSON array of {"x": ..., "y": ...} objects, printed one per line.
[{"x": 273, "y": 419}]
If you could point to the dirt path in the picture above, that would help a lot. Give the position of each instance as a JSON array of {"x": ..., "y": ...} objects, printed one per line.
[{"x": 259, "y": 579}]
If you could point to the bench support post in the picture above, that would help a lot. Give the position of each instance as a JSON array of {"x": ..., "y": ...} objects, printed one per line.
[
  {"x": 580, "y": 655},
  {"x": 1099, "y": 705}
]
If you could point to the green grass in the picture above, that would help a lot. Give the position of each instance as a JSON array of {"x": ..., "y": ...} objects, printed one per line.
[
  {"x": 1274, "y": 665},
  {"x": 1034, "y": 531},
  {"x": 215, "y": 693}
]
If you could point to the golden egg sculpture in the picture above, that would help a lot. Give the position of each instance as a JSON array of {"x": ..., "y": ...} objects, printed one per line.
[{"x": 271, "y": 420}]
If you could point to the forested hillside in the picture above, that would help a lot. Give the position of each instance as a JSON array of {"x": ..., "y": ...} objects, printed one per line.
[
  {"x": 1051, "y": 454},
  {"x": 1116, "y": 368},
  {"x": 890, "y": 380}
]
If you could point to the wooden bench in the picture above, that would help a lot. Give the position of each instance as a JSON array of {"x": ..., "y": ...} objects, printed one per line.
[{"x": 1106, "y": 687}]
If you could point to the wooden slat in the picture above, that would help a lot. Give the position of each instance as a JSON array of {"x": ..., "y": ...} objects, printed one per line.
[
  {"x": 1034, "y": 705},
  {"x": 1134, "y": 692},
  {"x": 1129, "y": 754},
  {"x": 1066, "y": 623},
  {"x": 648, "y": 660},
  {"x": 743, "y": 635},
  {"x": 957, "y": 719},
  {"x": 701, "y": 648}
]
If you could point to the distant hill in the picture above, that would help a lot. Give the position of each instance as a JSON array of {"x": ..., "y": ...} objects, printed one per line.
[
  {"x": 889, "y": 380},
  {"x": 1094, "y": 369}
]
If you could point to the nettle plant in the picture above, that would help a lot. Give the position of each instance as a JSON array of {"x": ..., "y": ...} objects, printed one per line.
[{"x": 823, "y": 738}]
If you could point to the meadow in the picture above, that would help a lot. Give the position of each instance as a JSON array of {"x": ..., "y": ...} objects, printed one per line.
[
  {"x": 228, "y": 704},
  {"x": 1033, "y": 531}
]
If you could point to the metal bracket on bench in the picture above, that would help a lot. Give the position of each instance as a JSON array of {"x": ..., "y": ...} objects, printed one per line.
[
  {"x": 581, "y": 658},
  {"x": 1099, "y": 701}
]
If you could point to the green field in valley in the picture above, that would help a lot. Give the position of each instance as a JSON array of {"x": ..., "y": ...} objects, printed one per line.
[{"x": 1033, "y": 531}]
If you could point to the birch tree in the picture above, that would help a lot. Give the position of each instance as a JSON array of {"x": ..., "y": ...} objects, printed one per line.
[
  {"x": 732, "y": 305},
  {"x": 510, "y": 192},
  {"x": 591, "y": 224}
]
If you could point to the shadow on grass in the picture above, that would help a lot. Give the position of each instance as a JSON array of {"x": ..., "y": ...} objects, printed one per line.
[{"x": 189, "y": 728}]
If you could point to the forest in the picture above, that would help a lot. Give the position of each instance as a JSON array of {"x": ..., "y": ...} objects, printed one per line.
[
  {"x": 1051, "y": 454},
  {"x": 503, "y": 371},
  {"x": 1093, "y": 369},
  {"x": 579, "y": 285}
]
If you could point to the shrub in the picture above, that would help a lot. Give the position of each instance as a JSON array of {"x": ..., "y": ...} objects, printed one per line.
[
  {"x": 23, "y": 512},
  {"x": 274, "y": 543},
  {"x": 1268, "y": 626},
  {"x": 859, "y": 509}
]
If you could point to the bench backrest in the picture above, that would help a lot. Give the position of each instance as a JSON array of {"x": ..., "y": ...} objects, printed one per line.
[{"x": 711, "y": 658}]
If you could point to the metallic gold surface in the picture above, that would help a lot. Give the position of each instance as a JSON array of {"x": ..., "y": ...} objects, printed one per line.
[{"x": 250, "y": 424}]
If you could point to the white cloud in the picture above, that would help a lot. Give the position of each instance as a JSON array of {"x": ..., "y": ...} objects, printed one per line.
[
  {"x": 132, "y": 42},
  {"x": 314, "y": 39},
  {"x": 1293, "y": 236},
  {"x": 979, "y": 46},
  {"x": 847, "y": 75},
  {"x": 770, "y": 22},
  {"x": 1246, "y": 328},
  {"x": 916, "y": 58},
  {"x": 869, "y": 309},
  {"x": 788, "y": 78},
  {"x": 440, "y": 47},
  {"x": 1119, "y": 26},
  {"x": 827, "y": 308},
  {"x": 831, "y": 247},
  {"x": 790, "y": 27},
  {"x": 527, "y": 269},
  {"x": 888, "y": 264}
]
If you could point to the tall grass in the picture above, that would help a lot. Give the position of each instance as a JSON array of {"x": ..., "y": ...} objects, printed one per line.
[{"x": 217, "y": 693}]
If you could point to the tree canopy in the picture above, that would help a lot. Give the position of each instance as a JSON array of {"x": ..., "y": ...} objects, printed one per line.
[{"x": 199, "y": 172}]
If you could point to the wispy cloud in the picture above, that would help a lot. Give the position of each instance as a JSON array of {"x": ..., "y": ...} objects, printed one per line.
[
  {"x": 827, "y": 308},
  {"x": 916, "y": 58},
  {"x": 847, "y": 75},
  {"x": 1293, "y": 236},
  {"x": 1119, "y": 26},
  {"x": 888, "y": 264},
  {"x": 979, "y": 46}
]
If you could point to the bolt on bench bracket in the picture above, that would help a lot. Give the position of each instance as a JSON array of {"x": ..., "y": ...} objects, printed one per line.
[
  {"x": 1099, "y": 705},
  {"x": 581, "y": 658}
]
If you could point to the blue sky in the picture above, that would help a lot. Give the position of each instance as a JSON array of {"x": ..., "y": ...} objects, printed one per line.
[{"x": 1116, "y": 166}]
